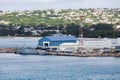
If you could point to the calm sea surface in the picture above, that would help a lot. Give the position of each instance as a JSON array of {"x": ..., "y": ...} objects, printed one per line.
[
  {"x": 7, "y": 42},
  {"x": 36, "y": 67}
]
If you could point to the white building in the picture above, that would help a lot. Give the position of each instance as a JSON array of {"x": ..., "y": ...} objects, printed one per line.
[
  {"x": 68, "y": 46},
  {"x": 97, "y": 43},
  {"x": 118, "y": 40},
  {"x": 92, "y": 43}
]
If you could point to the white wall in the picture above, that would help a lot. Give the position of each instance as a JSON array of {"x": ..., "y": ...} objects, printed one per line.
[
  {"x": 89, "y": 43},
  {"x": 102, "y": 43},
  {"x": 118, "y": 40}
]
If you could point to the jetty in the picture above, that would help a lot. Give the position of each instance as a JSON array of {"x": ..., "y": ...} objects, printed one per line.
[
  {"x": 85, "y": 55},
  {"x": 112, "y": 54},
  {"x": 7, "y": 50}
]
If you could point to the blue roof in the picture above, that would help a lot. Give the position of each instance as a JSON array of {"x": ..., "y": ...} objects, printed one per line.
[{"x": 61, "y": 38}]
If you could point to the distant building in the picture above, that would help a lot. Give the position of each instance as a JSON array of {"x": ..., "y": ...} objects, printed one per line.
[
  {"x": 69, "y": 46},
  {"x": 91, "y": 43},
  {"x": 97, "y": 43},
  {"x": 27, "y": 29},
  {"x": 70, "y": 43},
  {"x": 117, "y": 27},
  {"x": 55, "y": 41},
  {"x": 4, "y": 22}
]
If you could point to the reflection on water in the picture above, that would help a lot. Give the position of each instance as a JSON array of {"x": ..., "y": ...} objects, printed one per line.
[{"x": 34, "y": 67}]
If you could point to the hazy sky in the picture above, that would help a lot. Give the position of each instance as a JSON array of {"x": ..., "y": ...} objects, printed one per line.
[{"x": 56, "y": 4}]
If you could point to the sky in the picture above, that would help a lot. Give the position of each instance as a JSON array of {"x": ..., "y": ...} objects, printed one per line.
[{"x": 11, "y": 5}]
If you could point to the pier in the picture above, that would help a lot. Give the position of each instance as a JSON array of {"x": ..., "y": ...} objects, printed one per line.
[
  {"x": 85, "y": 55},
  {"x": 112, "y": 54}
]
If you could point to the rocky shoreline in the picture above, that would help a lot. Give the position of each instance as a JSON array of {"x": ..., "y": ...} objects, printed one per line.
[
  {"x": 86, "y": 55},
  {"x": 12, "y": 50},
  {"x": 7, "y": 50}
]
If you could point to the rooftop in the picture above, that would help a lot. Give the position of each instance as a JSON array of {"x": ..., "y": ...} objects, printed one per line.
[{"x": 61, "y": 38}]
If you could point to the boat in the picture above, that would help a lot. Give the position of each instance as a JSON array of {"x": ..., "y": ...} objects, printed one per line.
[
  {"x": 30, "y": 51},
  {"x": 42, "y": 52},
  {"x": 26, "y": 51}
]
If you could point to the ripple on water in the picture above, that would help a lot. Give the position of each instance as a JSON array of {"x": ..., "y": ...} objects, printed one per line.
[{"x": 17, "y": 67}]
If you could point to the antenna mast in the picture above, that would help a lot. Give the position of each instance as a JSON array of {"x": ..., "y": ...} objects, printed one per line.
[{"x": 81, "y": 35}]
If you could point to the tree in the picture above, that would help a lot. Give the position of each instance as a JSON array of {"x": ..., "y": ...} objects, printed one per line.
[
  {"x": 72, "y": 29},
  {"x": 102, "y": 30}
]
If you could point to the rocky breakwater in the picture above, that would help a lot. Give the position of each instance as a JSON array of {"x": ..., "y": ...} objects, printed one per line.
[
  {"x": 86, "y": 54},
  {"x": 7, "y": 50}
]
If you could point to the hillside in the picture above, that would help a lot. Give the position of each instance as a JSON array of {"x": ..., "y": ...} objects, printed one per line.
[
  {"x": 56, "y": 17},
  {"x": 101, "y": 22}
]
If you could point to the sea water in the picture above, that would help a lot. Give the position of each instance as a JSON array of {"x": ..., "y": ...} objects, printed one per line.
[
  {"x": 13, "y": 42},
  {"x": 36, "y": 67}
]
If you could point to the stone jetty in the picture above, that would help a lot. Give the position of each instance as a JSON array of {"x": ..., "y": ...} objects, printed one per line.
[
  {"x": 86, "y": 54},
  {"x": 7, "y": 50},
  {"x": 12, "y": 50}
]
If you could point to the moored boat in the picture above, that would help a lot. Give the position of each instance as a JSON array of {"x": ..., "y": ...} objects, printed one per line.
[
  {"x": 26, "y": 51},
  {"x": 30, "y": 51}
]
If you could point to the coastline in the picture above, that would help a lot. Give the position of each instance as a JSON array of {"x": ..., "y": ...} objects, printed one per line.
[
  {"x": 86, "y": 55},
  {"x": 12, "y": 50},
  {"x": 7, "y": 50}
]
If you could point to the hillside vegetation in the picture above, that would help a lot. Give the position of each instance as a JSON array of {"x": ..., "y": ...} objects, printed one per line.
[
  {"x": 57, "y": 17},
  {"x": 100, "y": 22}
]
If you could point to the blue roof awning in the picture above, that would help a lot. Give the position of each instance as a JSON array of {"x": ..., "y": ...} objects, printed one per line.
[{"x": 61, "y": 38}]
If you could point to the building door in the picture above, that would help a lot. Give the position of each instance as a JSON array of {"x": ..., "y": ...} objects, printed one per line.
[{"x": 46, "y": 44}]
